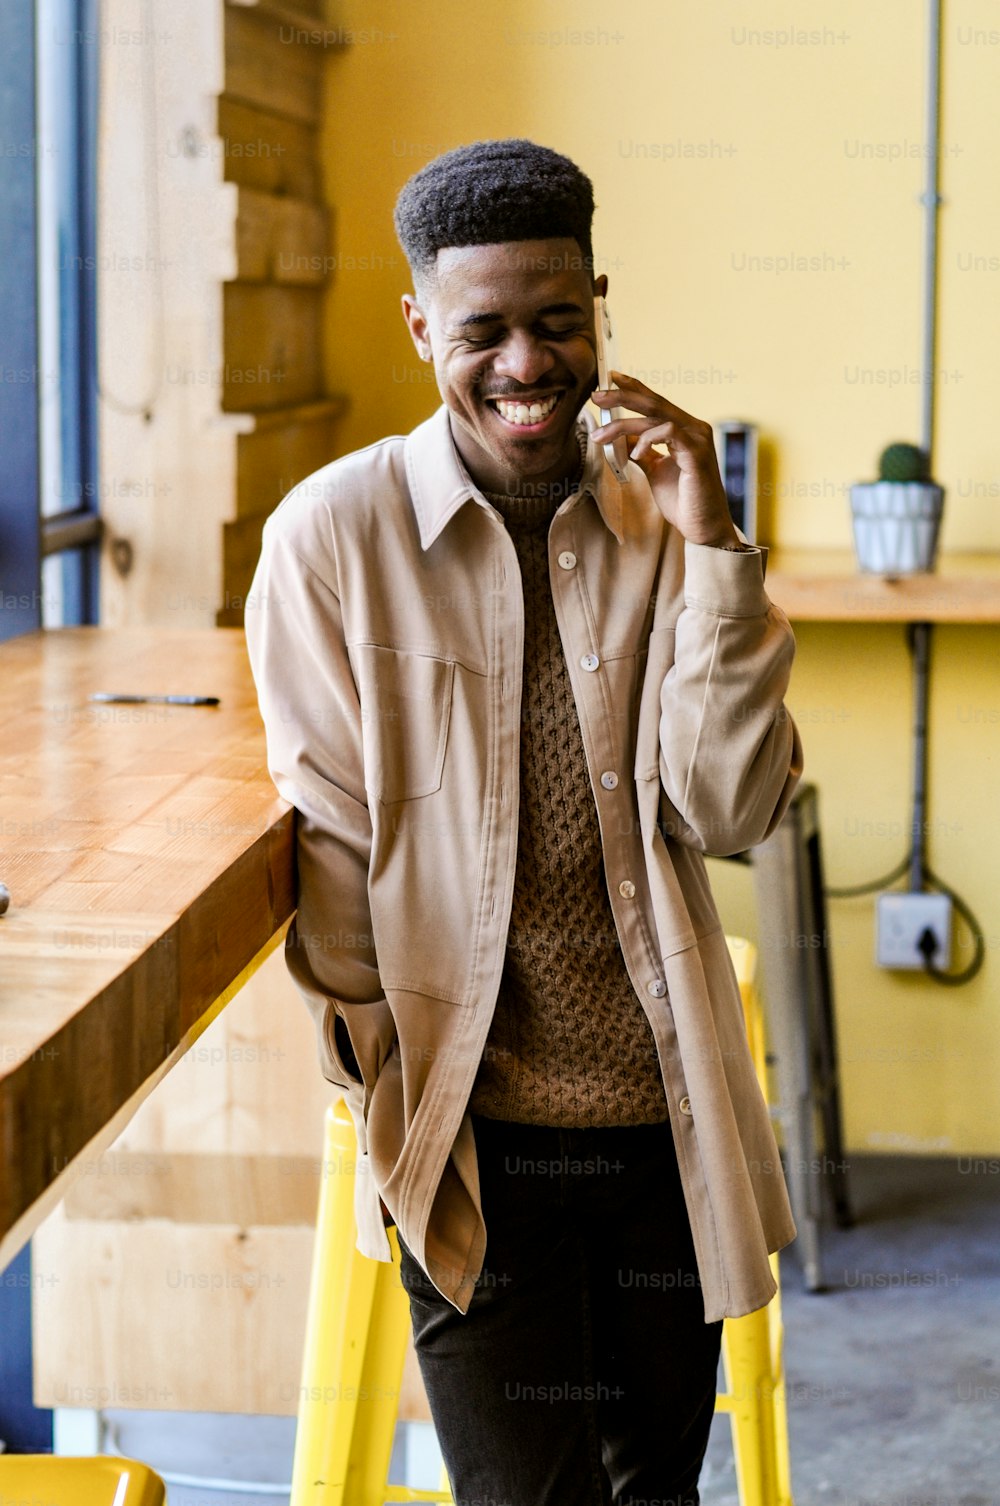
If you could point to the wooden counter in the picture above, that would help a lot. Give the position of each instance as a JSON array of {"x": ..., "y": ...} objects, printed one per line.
[
  {"x": 825, "y": 585},
  {"x": 149, "y": 862}
]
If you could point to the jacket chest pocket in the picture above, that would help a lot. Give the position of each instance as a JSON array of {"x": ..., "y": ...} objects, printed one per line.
[{"x": 405, "y": 711}]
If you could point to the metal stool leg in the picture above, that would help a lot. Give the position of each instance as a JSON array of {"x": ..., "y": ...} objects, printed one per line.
[
  {"x": 788, "y": 878},
  {"x": 779, "y": 879},
  {"x": 826, "y": 1072}
]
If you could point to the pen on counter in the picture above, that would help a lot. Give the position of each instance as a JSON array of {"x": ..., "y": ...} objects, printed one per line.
[{"x": 156, "y": 700}]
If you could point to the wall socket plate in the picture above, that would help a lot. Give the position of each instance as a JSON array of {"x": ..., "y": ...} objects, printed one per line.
[{"x": 901, "y": 919}]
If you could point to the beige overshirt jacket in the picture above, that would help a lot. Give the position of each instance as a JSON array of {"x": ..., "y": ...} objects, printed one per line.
[{"x": 385, "y": 629}]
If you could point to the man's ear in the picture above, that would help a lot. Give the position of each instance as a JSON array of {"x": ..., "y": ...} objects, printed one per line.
[
  {"x": 601, "y": 286},
  {"x": 416, "y": 323}
]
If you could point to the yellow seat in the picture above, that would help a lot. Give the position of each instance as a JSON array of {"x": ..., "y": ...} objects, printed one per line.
[
  {"x": 26, "y": 1479},
  {"x": 358, "y": 1326}
]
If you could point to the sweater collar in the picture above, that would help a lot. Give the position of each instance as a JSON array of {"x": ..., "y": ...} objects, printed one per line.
[{"x": 440, "y": 484}]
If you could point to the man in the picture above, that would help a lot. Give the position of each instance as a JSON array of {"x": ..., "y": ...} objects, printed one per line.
[{"x": 514, "y": 701}]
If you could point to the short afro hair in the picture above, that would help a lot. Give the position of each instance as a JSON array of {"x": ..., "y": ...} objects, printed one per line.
[{"x": 490, "y": 192}]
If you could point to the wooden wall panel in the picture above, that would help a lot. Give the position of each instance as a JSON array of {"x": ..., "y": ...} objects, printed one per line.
[
  {"x": 264, "y": 67},
  {"x": 281, "y": 239},
  {"x": 272, "y": 344},
  {"x": 282, "y": 450},
  {"x": 173, "y": 1317},
  {"x": 268, "y": 152},
  {"x": 167, "y": 461}
]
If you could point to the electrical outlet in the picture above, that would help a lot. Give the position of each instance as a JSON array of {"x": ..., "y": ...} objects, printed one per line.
[{"x": 900, "y": 921}]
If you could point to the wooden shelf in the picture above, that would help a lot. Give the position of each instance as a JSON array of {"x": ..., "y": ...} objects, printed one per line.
[{"x": 825, "y": 585}]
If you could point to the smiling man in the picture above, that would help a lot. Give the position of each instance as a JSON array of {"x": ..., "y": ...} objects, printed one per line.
[{"x": 514, "y": 702}]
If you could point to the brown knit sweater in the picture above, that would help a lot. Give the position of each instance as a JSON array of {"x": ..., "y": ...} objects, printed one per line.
[{"x": 569, "y": 1044}]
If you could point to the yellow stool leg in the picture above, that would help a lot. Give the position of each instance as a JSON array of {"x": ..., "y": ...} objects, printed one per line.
[
  {"x": 344, "y": 1398},
  {"x": 782, "y": 1458},
  {"x": 357, "y": 1327},
  {"x": 381, "y": 1374},
  {"x": 752, "y": 1345},
  {"x": 749, "y": 1399}
]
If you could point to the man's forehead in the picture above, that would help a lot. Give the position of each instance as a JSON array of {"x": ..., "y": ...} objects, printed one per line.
[{"x": 541, "y": 267}]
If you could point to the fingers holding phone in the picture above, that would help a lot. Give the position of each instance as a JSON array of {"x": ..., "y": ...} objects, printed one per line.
[{"x": 685, "y": 482}]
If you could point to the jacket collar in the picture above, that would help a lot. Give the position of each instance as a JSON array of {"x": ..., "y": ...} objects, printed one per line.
[{"x": 439, "y": 483}]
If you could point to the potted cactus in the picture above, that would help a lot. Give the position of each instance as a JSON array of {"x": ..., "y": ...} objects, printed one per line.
[{"x": 897, "y": 518}]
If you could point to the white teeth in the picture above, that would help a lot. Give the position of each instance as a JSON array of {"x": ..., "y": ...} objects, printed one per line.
[{"x": 524, "y": 413}]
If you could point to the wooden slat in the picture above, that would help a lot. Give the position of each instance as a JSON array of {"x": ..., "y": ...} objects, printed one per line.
[
  {"x": 163, "y": 1300},
  {"x": 265, "y": 66},
  {"x": 197, "y": 1188},
  {"x": 275, "y": 456},
  {"x": 301, "y": 13},
  {"x": 268, "y": 152},
  {"x": 281, "y": 239},
  {"x": 190, "y": 1317},
  {"x": 272, "y": 342}
]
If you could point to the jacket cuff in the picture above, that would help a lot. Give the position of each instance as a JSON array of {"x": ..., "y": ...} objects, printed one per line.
[{"x": 726, "y": 582}]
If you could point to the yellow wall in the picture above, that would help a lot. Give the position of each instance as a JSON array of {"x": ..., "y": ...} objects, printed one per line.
[{"x": 711, "y": 141}]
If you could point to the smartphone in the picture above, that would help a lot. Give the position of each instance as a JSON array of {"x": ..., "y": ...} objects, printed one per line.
[{"x": 616, "y": 454}]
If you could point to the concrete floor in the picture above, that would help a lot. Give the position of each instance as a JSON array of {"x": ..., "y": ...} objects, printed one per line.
[{"x": 893, "y": 1373}]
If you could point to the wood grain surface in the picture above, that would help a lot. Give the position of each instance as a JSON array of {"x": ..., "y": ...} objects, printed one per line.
[
  {"x": 825, "y": 585},
  {"x": 149, "y": 862}
]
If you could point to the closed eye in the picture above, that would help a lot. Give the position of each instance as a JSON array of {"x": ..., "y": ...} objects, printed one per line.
[
  {"x": 562, "y": 334},
  {"x": 543, "y": 332}
]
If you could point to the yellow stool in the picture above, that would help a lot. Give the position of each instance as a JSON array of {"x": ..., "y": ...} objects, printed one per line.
[
  {"x": 358, "y": 1327},
  {"x": 51, "y": 1480}
]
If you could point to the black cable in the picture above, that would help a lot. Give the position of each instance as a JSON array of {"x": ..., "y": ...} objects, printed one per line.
[
  {"x": 930, "y": 881},
  {"x": 954, "y": 980},
  {"x": 870, "y": 888}
]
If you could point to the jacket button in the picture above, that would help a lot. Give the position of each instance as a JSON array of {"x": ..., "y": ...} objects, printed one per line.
[
  {"x": 657, "y": 988},
  {"x": 590, "y": 661},
  {"x": 609, "y": 779},
  {"x": 626, "y": 889},
  {"x": 685, "y": 1105},
  {"x": 567, "y": 559}
]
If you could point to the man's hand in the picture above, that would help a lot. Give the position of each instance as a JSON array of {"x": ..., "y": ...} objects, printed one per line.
[{"x": 686, "y": 484}]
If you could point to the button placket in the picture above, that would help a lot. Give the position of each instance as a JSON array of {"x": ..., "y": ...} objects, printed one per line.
[{"x": 640, "y": 958}]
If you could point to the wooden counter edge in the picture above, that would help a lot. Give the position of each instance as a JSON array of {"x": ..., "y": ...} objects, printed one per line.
[{"x": 152, "y": 1012}]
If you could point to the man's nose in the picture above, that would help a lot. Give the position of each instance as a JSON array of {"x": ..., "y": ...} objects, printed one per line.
[{"x": 523, "y": 358}]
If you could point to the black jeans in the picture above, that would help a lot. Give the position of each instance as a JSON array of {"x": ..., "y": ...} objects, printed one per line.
[{"x": 584, "y": 1373}]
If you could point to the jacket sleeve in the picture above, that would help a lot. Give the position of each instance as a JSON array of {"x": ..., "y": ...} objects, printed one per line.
[
  {"x": 312, "y": 717},
  {"x": 730, "y": 755}
]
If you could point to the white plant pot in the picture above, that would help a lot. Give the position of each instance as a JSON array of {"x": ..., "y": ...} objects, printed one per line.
[{"x": 896, "y": 525}]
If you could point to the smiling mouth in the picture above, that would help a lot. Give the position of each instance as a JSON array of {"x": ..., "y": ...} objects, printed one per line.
[{"x": 520, "y": 413}]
